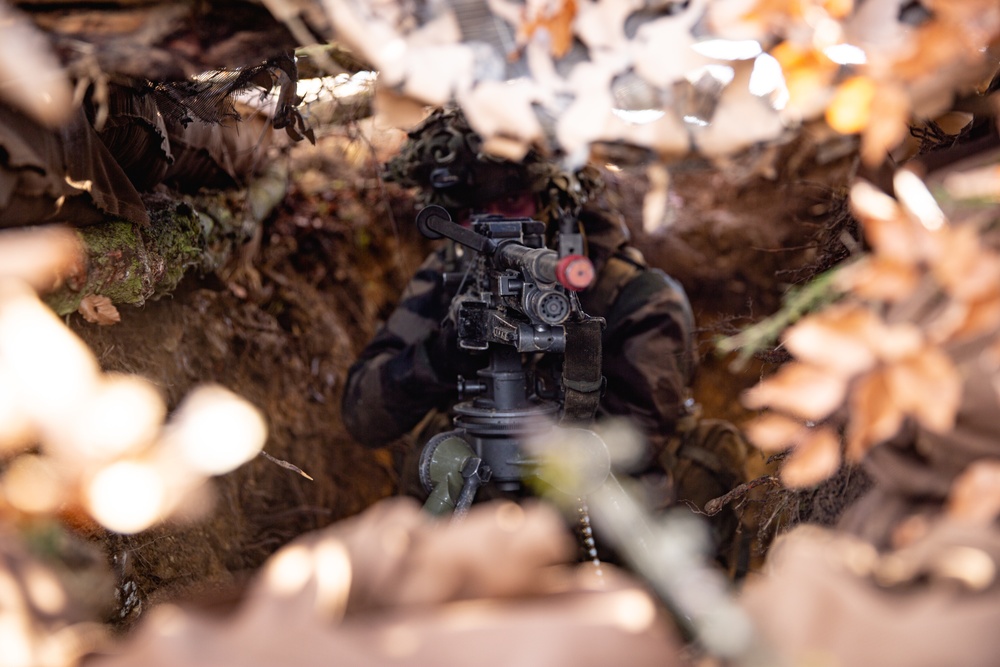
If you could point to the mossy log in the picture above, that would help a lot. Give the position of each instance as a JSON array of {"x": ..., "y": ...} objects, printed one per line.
[{"x": 131, "y": 264}]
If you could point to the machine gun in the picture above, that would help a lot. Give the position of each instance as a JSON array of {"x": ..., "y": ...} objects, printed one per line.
[{"x": 516, "y": 297}]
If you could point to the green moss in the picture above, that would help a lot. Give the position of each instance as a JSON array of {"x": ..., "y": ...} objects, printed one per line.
[{"x": 131, "y": 264}]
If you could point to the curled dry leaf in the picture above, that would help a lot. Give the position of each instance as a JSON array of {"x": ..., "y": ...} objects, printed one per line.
[
  {"x": 975, "y": 494},
  {"x": 98, "y": 309},
  {"x": 771, "y": 432},
  {"x": 799, "y": 389},
  {"x": 813, "y": 460}
]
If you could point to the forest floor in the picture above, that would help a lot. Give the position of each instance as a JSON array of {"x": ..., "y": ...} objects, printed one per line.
[{"x": 282, "y": 324}]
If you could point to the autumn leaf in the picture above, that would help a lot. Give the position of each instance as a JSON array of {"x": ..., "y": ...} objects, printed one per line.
[
  {"x": 979, "y": 317},
  {"x": 850, "y": 109},
  {"x": 98, "y": 309},
  {"x": 892, "y": 342},
  {"x": 875, "y": 416},
  {"x": 813, "y": 460},
  {"x": 890, "y": 232},
  {"x": 808, "y": 75},
  {"x": 887, "y": 128},
  {"x": 800, "y": 390},
  {"x": 835, "y": 339},
  {"x": 771, "y": 432},
  {"x": 556, "y": 21},
  {"x": 963, "y": 267},
  {"x": 975, "y": 494},
  {"x": 879, "y": 279},
  {"x": 928, "y": 386}
]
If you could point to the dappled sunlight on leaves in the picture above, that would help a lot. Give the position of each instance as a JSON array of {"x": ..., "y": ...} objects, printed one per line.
[
  {"x": 859, "y": 66},
  {"x": 800, "y": 390},
  {"x": 883, "y": 355}
]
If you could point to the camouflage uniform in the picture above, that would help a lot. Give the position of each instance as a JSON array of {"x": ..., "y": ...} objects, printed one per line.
[{"x": 410, "y": 368}]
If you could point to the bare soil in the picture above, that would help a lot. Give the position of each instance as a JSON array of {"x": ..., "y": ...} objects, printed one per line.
[{"x": 282, "y": 325}]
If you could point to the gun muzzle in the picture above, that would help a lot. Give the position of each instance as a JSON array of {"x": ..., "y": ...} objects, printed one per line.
[{"x": 575, "y": 272}]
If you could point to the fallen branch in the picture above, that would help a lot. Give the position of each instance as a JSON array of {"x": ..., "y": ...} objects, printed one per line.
[
  {"x": 131, "y": 264},
  {"x": 715, "y": 505}
]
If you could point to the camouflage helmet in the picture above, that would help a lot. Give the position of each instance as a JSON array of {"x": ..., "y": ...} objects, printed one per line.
[{"x": 444, "y": 158}]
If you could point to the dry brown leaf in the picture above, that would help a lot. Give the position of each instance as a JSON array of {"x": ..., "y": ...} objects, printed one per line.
[
  {"x": 39, "y": 255},
  {"x": 815, "y": 459},
  {"x": 975, "y": 494},
  {"x": 982, "y": 316},
  {"x": 893, "y": 342},
  {"x": 838, "y": 9},
  {"x": 928, "y": 386},
  {"x": 98, "y": 309},
  {"x": 851, "y": 107},
  {"x": 836, "y": 339},
  {"x": 963, "y": 267},
  {"x": 771, "y": 432},
  {"x": 799, "y": 389},
  {"x": 887, "y": 128},
  {"x": 879, "y": 279},
  {"x": 808, "y": 75},
  {"x": 875, "y": 417},
  {"x": 557, "y": 21},
  {"x": 891, "y": 233}
]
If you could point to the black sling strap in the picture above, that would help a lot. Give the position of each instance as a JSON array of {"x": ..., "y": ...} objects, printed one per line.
[{"x": 581, "y": 376}]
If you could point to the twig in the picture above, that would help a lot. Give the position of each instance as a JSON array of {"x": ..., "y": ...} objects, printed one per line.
[
  {"x": 715, "y": 505},
  {"x": 285, "y": 464},
  {"x": 797, "y": 302}
]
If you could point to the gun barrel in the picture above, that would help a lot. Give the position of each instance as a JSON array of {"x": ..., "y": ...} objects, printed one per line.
[
  {"x": 538, "y": 263},
  {"x": 574, "y": 272}
]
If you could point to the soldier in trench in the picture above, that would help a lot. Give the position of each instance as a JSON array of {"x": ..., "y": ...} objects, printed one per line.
[{"x": 404, "y": 381}]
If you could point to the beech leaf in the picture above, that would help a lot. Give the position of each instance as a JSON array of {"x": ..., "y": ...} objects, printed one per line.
[
  {"x": 879, "y": 279},
  {"x": 801, "y": 390},
  {"x": 772, "y": 432},
  {"x": 928, "y": 386},
  {"x": 98, "y": 309},
  {"x": 815, "y": 459},
  {"x": 963, "y": 267},
  {"x": 875, "y": 416},
  {"x": 835, "y": 339}
]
